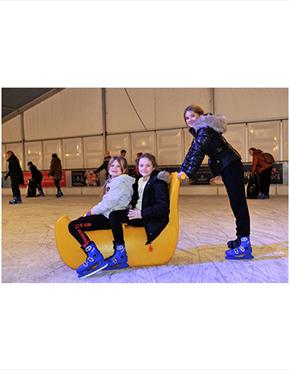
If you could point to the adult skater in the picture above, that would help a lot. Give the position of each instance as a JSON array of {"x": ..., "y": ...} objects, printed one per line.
[
  {"x": 36, "y": 176},
  {"x": 224, "y": 160},
  {"x": 16, "y": 176},
  {"x": 104, "y": 165},
  {"x": 55, "y": 172},
  {"x": 262, "y": 168}
]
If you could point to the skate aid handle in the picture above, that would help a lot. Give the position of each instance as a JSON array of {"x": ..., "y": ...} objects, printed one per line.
[{"x": 182, "y": 176}]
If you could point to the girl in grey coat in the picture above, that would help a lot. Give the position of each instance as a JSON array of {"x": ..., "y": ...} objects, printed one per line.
[{"x": 118, "y": 194}]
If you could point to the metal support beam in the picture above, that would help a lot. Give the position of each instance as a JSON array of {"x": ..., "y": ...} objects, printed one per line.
[
  {"x": 104, "y": 118},
  {"x": 211, "y": 102}
]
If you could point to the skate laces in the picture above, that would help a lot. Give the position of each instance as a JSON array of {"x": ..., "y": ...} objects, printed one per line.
[
  {"x": 89, "y": 259},
  {"x": 240, "y": 250}
]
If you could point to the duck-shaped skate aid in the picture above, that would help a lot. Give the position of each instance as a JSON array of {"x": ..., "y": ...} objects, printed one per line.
[{"x": 159, "y": 252}]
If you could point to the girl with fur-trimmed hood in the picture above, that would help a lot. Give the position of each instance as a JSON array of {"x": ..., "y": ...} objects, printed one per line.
[{"x": 224, "y": 160}]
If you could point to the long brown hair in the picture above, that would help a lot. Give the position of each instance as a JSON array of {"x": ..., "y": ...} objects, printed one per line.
[
  {"x": 151, "y": 158},
  {"x": 193, "y": 108}
]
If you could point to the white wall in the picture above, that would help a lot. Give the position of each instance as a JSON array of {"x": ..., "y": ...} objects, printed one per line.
[
  {"x": 251, "y": 104},
  {"x": 11, "y": 130},
  {"x": 70, "y": 124},
  {"x": 237, "y": 136},
  {"x": 121, "y": 116},
  {"x": 157, "y": 108},
  {"x": 71, "y": 112},
  {"x": 265, "y": 136}
]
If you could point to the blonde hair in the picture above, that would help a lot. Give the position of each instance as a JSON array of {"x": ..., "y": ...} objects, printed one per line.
[{"x": 122, "y": 162}]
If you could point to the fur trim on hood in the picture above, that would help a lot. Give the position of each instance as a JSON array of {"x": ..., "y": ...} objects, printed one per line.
[
  {"x": 217, "y": 122},
  {"x": 165, "y": 176}
]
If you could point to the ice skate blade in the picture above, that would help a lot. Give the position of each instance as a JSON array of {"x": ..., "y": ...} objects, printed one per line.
[
  {"x": 242, "y": 257},
  {"x": 93, "y": 272},
  {"x": 117, "y": 267}
]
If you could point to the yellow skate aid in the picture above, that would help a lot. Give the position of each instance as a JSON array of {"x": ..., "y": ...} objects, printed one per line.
[{"x": 158, "y": 252}]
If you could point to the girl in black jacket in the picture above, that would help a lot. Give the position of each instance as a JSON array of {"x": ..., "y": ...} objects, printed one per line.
[
  {"x": 149, "y": 209},
  {"x": 224, "y": 160}
]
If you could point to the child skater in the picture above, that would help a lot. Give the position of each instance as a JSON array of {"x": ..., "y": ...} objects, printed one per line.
[
  {"x": 149, "y": 209},
  {"x": 224, "y": 160},
  {"x": 118, "y": 194}
]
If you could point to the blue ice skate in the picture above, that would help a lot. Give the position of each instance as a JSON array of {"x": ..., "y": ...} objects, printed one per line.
[
  {"x": 94, "y": 263},
  {"x": 243, "y": 252},
  {"x": 15, "y": 200},
  {"x": 234, "y": 243},
  {"x": 119, "y": 259}
]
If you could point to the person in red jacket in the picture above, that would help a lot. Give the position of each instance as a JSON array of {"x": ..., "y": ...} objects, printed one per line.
[{"x": 263, "y": 169}]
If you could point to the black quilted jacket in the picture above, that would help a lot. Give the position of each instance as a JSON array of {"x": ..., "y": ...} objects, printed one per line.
[
  {"x": 209, "y": 141},
  {"x": 155, "y": 204}
]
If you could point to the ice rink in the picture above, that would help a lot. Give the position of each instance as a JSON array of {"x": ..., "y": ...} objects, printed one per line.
[{"x": 29, "y": 254}]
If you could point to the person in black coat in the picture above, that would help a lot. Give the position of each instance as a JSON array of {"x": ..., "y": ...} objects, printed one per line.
[
  {"x": 224, "y": 160},
  {"x": 149, "y": 208},
  {"x": 16, "y": 176},
  {"x": 104, "y": 165},
  {"x": 36, "y": 176}
]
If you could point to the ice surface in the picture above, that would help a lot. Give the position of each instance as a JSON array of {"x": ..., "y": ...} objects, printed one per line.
[{"x": 29, "y": 254}]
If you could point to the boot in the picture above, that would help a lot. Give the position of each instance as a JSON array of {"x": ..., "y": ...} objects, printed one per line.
[
  {"x": 119, "y": 259},
  {"x": 40, "y": 194},
  {"x": 243, "y": 252},
  {"x": 94, "y": 263},
  {"x": 15, "y": 200},
  {"x": 234, "y": 243},
  {"x": 59, "y": 194}
]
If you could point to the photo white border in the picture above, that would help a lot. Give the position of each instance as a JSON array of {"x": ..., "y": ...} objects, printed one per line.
[{"x": 144, "y": 44}]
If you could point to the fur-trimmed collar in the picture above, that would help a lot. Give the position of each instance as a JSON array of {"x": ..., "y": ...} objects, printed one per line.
[
  {"x": 218, "y": 123},
  {"x": 165, "y": 176}
]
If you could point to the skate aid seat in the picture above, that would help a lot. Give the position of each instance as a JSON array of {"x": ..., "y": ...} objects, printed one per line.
[{"x": 158, "y": 252}]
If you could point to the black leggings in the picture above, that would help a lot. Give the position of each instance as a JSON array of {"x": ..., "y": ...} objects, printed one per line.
[
  {"x": 15, "y": 188},
  {"x": 99, "y": 222},
  {"x": 265, "y": 180},
  {"x": 89, "y": 223},
  {"x": 56, "y": 182},
  {"x": 117, "y": 218},
  {"x": 39, "y": 186},
  {"x": 233, "y": 178}
]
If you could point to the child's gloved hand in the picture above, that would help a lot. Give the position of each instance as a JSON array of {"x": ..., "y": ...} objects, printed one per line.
[{"x": 87, "y": 214}]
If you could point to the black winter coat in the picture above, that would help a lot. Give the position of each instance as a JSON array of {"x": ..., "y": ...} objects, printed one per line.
[
  {"x": 14, "y": 170},
  {"x": 209, "y": 141},
  {"x": 35, "y": 173},
  {"x": 155, "y": 204}
]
